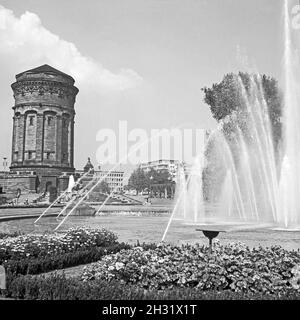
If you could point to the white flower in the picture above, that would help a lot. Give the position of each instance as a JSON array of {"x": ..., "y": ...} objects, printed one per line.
[
  {"x": 119, "y": 265},
  {"x": 138, "y": 249}
]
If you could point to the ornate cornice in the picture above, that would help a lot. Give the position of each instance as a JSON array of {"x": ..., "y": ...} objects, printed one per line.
[
  {"x": 17, "y": 166},
  {"x": 44, "y": 86},
  {"x": 42, "y": 108}
]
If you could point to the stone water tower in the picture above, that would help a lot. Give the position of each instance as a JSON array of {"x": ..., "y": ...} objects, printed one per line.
[{"x": 43, "y": 124}]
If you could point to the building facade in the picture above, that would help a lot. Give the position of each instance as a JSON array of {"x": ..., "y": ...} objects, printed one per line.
[
  {"x": 114, "y": 179},
  {"x": 43, "y": 130},
  {"x": 170, "y": 165}
]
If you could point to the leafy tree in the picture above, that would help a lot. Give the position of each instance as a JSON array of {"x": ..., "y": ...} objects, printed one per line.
[
  {"x": 104, "y": 187},
  {"x": 160, "y": 181},
  {"x": 228, "y": 103},
  {"x": 159, "y": 176},
  {"x": 138, "y": 180},
  {"x": 155, "y": 180},
  {"x": 226, "y": 97}
]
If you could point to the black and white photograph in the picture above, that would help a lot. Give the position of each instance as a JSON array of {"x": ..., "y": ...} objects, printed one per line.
[{"x": 149, "y": 151}]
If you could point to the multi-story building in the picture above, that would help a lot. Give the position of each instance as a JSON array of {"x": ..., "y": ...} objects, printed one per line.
[
  {"x": 114, "y": 179},
  {"x": 43, "y": 136},
  {"x": 172, "y": 165},
  {"x": 43, "y": 131},
  {"x": 162, "y": 164}
]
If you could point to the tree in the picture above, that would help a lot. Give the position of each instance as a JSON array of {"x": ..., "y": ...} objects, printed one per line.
[
  {"x": 228, "y": 104},
  {"x": 138, "y": 180},
  {"x": 226, "y": 97},
  {"x": 161, "y": 180},
  {"x": 104, "y": 187},
  {"x": 155, "y": 180}
]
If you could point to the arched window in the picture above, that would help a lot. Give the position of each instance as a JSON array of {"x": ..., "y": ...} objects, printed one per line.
[
  {"x": 31, "y": 119},
  {"x": 16, "y": 155}
]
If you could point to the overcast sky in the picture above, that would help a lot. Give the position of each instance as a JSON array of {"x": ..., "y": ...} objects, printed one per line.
[{"x": 144, "y": 61}]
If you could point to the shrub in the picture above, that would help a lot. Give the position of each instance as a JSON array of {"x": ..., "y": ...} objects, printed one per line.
[
  {"x": 232, "y": 267},
  {"x": 4, "y": 235},
  {"x": 60, "y": 261},
  {"x": 74, "y": 239},
  {"x": 58, "y": 287}
]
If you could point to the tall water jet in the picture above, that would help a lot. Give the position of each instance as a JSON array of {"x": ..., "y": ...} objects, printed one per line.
[
  {"x": 180, "y": 209},
  {"x": 290, "y": 174},
  {"x": 243, "y": 183},
  {"x": 250, "y": 179},
  {"x": 180, "y": 194},
  {"x": 195, "y": 210},
  {"x": 286, "y": 206},
  {"x": 226, "y": 202}
]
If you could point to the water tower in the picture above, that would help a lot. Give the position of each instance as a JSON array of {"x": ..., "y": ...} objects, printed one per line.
[{"x": 43, "y": 124}]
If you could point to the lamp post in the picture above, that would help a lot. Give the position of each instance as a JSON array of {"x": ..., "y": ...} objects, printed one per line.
[
  {"x": 170, "y": 186},
  {"x": 151, "y": 178}
]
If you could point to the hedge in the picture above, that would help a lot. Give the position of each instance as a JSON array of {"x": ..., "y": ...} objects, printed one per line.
[
  {"x": 233, "y": 267},
  {"x": 60, "y": 261},
  {"x": 4, "y": 235},
  {"x": 48, "y": 244},
  {"x": 57, "y": 287}
]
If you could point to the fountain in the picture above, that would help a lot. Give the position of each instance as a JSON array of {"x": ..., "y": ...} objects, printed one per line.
[
  {"x": 290, "y": 178},
  {"x": 194, "y": 196},
  {"x": 180, "y": 193},
  {"x": 257, "y": 186}
]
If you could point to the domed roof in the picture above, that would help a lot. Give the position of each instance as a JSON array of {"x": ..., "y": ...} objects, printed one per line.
[
  {"x": 47, "y": 70},
  {"x": 88, "y": 166}
]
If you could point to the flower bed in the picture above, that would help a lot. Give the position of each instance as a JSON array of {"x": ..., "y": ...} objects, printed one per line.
[
  {"x": 46, "y": 245},
  {"x": 146, "y": 270},
  {"x": 232, "y": 267}
]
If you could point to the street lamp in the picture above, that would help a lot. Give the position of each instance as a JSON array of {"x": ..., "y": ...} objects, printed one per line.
[
  {"x": 151, "y": 178},
  {"x": 170, "y": 179}
]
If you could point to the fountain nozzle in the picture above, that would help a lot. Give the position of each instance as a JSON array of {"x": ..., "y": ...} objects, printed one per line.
[{"x": 210, "y": 234}]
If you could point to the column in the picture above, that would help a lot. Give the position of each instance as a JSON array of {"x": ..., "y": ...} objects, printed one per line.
[
  {"x": 69, "y": 142},
  {"x": 21, "y": 138},
  {"x": 58, "y": 147},
  {"x": 71, "y": 150},
  {"x": 40, "y": 137},
  {"x": 13, "y": 148}
]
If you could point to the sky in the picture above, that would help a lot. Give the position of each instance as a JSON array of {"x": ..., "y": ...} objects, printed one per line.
[{"x": 140, "y": 61}]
